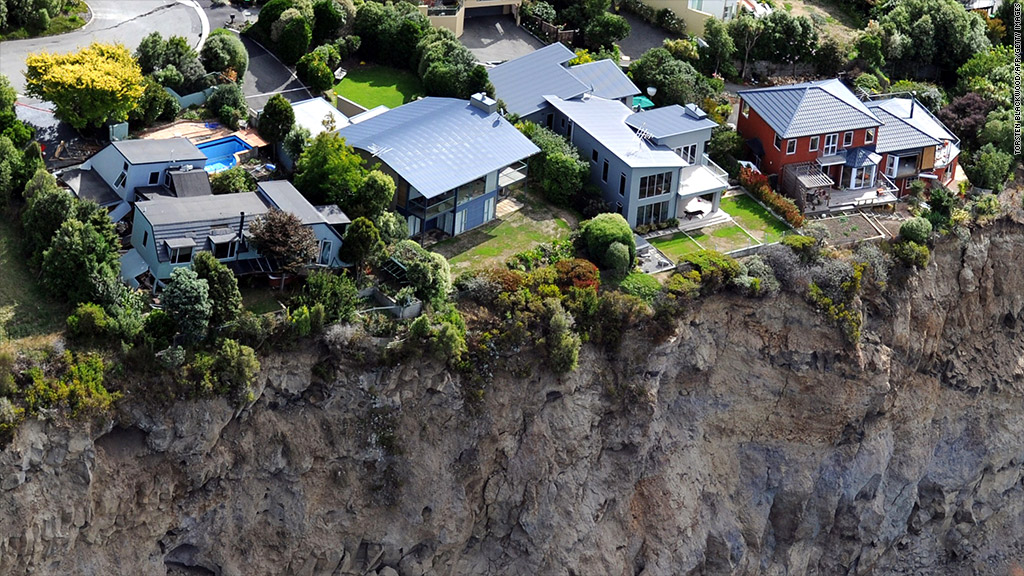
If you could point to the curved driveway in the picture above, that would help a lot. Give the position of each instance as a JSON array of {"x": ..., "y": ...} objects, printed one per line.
[{"x": 127, "y": 22}]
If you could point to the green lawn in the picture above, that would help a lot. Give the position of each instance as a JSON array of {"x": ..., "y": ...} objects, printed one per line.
[
  {"x": 759, "y": 222},
  {"x": 24, "y": 310},
  {"x": 723, "y": 238},
  {"x": 677, "y": 245},
  {"x": 491, "y": 244},
  {"x": 371, "y": 85}
]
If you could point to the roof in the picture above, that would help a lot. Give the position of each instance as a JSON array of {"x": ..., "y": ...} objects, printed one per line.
[
  {"x": 671, "y": 120},
  {"x": 810, "y": 108},
  {"x": 523, "y": 82},
  {"x": 861, "y": 157},
  {"x": 375, "y": 111},
  {"x": 195, "y": 219},
  {"x": 605, "y": 121},
  {"x": 190, "y": 184},
  {"x": 310, "y": 114},
  {"x": 88, "y": 185},
  {"x": 285, "y": 197},
  {"x": 152, "y": 151},
  {"x": 437, "y": 144},
  {"x": 605, "y": 79},
  {"x": 907, "y": 125}
]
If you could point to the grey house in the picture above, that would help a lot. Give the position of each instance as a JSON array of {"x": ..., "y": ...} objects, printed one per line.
[
  {"x": 650, "y": 166},
  {"x": 522, "y": 83},
  {"x": 169, "y": 230},
  {"x": 449, "y": 159}
]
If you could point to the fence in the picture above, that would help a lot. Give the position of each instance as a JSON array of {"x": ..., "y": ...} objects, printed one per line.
[
  {"x": 549, "y": 32},
  {"x": 193, "y": 99}
]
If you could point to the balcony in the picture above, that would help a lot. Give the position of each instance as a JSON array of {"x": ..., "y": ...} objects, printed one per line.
[
  {"x": 441, "y": 7},
  {"x": 717, "y": 170},
  {"x": 428, "y": 208}
]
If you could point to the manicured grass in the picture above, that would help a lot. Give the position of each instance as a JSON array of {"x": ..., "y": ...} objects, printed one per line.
[
  {"x": 491, "y": 244},
  {"x": 371, "y": 85},
  {"x": 723, "y": 238},
  {"x": 759, "y": 222},
  {"x": 677, "y": 245},
  {"x": 25, "y": 311}
]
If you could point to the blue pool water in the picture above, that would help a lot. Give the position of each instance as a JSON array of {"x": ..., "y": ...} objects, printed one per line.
[{"x": 220, "y": 153}]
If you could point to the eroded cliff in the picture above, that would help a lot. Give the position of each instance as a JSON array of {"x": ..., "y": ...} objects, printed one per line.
[{"x": 754, "y": 441}]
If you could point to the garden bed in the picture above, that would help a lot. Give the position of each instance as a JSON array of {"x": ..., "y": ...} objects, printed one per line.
[{"x": 849, "y": 229}]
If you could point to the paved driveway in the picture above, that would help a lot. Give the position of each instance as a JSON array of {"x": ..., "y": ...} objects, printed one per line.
[
  {"x": 495, "y": 39},
  {"x": 642, "y": 36}
]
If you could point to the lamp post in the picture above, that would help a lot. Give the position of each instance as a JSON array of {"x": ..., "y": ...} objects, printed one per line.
[{"x": 651, "y": 91}]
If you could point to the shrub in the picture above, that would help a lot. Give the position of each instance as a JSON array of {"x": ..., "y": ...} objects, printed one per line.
[
  {"x": 986, "y": 207},
  {"x": 601, "y": 231},
  {"x": 578, "y": 273},
  {"x": 315, "y": 72},
  {"x": 716, "y": 269},
  {"x": 336, "y": 294},
  {"x": 806, "y": 247},
  {"x": 563, "y": 345},
  {"x": 911, "y": 253},
  {"x": 759, "y": 279},
  {"x": 643, "y": 286},
  {"x": 427, "y": 272},
  {"x": 79, "y": 390},
  {"x": 617, "y": 259},
  {"x": 757, "y": 184},
  {"x": 236, "y": 367},
  {"x": 186, "y": 299},
  {"x": 840, "y": 314},
  {"x": 786, "y": 266},
  {"x": 683, "y": 286},
  {"x": 159, "y": 329},
  {"x": 916, "y": 229},
  {"x": 88, "y": 323},
  {"x": 878, "y": 262},
  {"x": 616, "y": 312}
]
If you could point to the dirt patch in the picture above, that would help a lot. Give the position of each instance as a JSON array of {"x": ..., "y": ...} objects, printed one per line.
[{"x": 849, "y": 229}]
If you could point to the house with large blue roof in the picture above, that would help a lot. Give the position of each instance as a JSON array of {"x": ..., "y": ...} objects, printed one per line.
[
  {"x": 650, "y": 166},
  {"x": 449, "y": 159}
]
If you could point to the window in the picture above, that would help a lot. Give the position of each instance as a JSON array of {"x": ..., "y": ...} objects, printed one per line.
[
  {"x": 688, "y": 153},
  {"x": 563, "y": 122},
  {"x": 622, "y": 184},
  {"x": 778, "y": 142},
  {"x": 862, "y": 177},
  {"x": 655, "y": 184},
  {"x": 604, "y": 172},
  {"x": 593, "y": 156},
  {"x": 119, "y": 183},
  {"x": 549, "y": 121},
  {"x": 154, "y": 178},
  {"x": 225, "y": 250},
  {"x": 145, "y": 237},
  {"x": 869, "y": 136},
  {"x": 651, "y": 213},
  {"x": 791, "y": 146},
  {"x": 892, "y": 164},
  {"x": 181, "y": 255},
  {"x": 568, "y": 133},
  {"x": 745, "y": 110},
  {"x": 814, "y": 144},
  {"x": 618, "y": 208},
  {"x": 847, "y": 139},
  {"x": 125, "y": 167},
  {"x": 831, "y": 143}
]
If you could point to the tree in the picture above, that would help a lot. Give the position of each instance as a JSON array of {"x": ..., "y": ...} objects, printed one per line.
[
  {"x": 916, "y": 229},
  {"x": 10, "y": 165},
  {"x": 931, "y": 34},
  {"x": 97, "y": 84},
  {"x": 327, "y": 21},
  {"x": 563, "y": 345},
  {"x": 270, "y": 14},
  {"x": 314, "y": 71},
  {"x": 718, "y": 53},
  {"x": 337, "y": 294},
  {"x": 296, "y": 142},
  {"x": 745, "y": 31},
  {"x": 281, "y": 236},
  {"x": 225, "y": 299},
  {"x": 561, "y": 170},
  {"x": 224, "y": 52},
  {"x": 989, "y": 167},
  {"x": 236, "y": 367},
  {"x": 328, "y": 169},
  {"x": 786, "y": 39},
  {"x": 965, "y": 116},
  {"x": 605, "y": 29},
  {"x": 232, "y": 180},
  {"x": 373, "y": 197},
  {"x": 155, "y": 104},
  {"x": 228, "y": 102},
  {"x": 869, "y": 50},
  {"x": 998, "y": 130},
  {"x": 392, "y": 227},
  {"x": 186, "y": 299},
  {"x": 677, "y": 82},
  {"x": 294, "y": 41},
  {"x": 46, "y": 212},
  {"x": 276, "y": 119},
  {"x": 78, "y": 257},
  {"x": 362, "y": 240},
  {"x": 150, "y": 53},
  {"x": 829, "y": 58},
  {"x": 603, "y": 230}
]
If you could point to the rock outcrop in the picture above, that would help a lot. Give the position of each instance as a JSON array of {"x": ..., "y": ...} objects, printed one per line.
[{"x": 753, "y": 441}]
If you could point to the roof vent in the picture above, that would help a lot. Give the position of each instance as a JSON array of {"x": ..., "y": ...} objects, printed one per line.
[
  {"x": 694, "y": 112},
  {"x": 481, "y": 101},
  {"x": 186, "y": 167}
]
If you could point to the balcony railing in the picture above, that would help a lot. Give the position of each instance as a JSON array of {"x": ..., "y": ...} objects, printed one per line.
[
  {"x": 715, "y": 168},
  {"x": 432, "y": 209},
  {"x": 440, "y": 8}
]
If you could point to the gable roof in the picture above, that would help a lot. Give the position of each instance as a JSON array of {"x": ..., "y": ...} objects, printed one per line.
[
  {"x": 437, "y": 144},
  {"x": 810, "y": 108},
  {"x": 605, "y": 79},
  {"x": 605, "y": 121},
  {"x": 285, "y": 197},
  {"x": 671, "y": 120},
  {"x": 152, "y": 151},
  {"x": 907, "y": 125},
  {"x": 190, "y": 221},
  {"x": 522, "y": 83}
]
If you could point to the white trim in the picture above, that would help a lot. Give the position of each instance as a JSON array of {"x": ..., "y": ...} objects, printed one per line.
[{"x": 814, "y": 144}]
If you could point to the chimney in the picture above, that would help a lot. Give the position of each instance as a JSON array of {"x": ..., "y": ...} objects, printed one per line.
[
  {"x": 481, "y": 101},
  {"x": 241, "y": 236},
  {"x": 913, "y": 101}
]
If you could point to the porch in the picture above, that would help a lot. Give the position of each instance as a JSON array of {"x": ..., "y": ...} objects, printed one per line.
[{"x": 846, "y": 180}]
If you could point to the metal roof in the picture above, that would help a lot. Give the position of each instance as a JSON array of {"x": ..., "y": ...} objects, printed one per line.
[
  {"x": 152, "y": 151},
  {"x": 907, "y": 125},
  {"x": 197, "y": 218},
  {"x": 605, "y": 121},
  {"x": 191, "y": 183},
  {"x": 88, "y": 185},
  {"x": 523, "y": 82},
  {"x": 437, "y": 144},
  {"x": 285, "y": 197},
  {"x": 310, "y": 114},
  {"x": 810, "y": 108},
  {"x": 671, "y": 120},
  {"x": 605, "y": 79}
]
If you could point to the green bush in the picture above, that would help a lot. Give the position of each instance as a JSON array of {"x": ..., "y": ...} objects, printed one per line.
[
  {"x": 617, "y": 259},
  {"x": 335, "y": 293},
  {"x": 916, "y": 229},
  {"x": 301, "y": 322},
  {"x": 78, "y": 390},
  {"x": 643, "y": 286},
  {"x": 716, "y": 270},
  {"x": 159, "y": 328},
  {"x": 911, "y": 253},
  {"x": 236, "y": 367},
  {"x": 601, "y": 231},
  {"x": 806, "y": 247},
  {"x": 563, "y": 345},
  {"x": 88, "y": 323}
]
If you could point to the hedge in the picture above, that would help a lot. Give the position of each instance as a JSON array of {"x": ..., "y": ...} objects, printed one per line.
[{"x": 757, "y": 184}]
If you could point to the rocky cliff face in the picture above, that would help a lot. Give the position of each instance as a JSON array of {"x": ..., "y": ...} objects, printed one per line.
[{"x": 752, "y": 442}]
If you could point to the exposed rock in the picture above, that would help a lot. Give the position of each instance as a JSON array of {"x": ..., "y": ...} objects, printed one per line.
[{"x": 754, "y": 441}]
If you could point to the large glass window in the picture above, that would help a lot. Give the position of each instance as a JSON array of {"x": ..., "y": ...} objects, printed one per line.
[
  {"x": 655, "y": 184},
  {"x": 831, "y": 144},
  {"x": 652, "y": 213},
  {"x": 891, "y": 164},
  {"x": 688, "y": 153},
  {"x": 181, "y": 255}
]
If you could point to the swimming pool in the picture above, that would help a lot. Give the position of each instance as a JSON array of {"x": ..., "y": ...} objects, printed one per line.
[{"x": 220, "y": 153}]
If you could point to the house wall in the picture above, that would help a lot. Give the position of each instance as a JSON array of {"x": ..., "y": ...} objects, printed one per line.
[
  {"x": 699, "y": 137},
  {"x": 324, "y": 232},
  {"x": 694, "y": 19},
  {"x": 141, "y": 228},
  {"x": 753, "y": 126},
  {"x": 107, "y": 163},
  {"x": 474, "y": 209}
]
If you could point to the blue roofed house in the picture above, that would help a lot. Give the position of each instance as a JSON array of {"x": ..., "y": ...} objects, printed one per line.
[
  {"x": 651, "y": 166},
  {"x": 168, "y": 230},
  {"x": 522, "y": 83},
  {"x": 449, "y": 159}
]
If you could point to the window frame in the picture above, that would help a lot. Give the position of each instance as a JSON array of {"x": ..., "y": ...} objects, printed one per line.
[
  {"x": 594, "y": 156},
  {"x": 778, "y": 142},
  {"x": 847, "y": 138},
  {"x": 154, "y": 178},
  {"x": 604, "y": 172},
  {"x": 834, "y": 146},
  {"x": 622, "y": 184},
  {"x": 176, "y": 255},
  {"x": 745, "y": 109},
  {"x": 813, "y": 144},
  {"x": 869, "y": 136},
  {"x": 791, "y": 146}
]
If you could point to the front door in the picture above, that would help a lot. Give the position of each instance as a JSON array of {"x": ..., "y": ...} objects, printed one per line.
[
  {"x": 460, "y": 222},
  {"x": 414, "y": 225}
]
